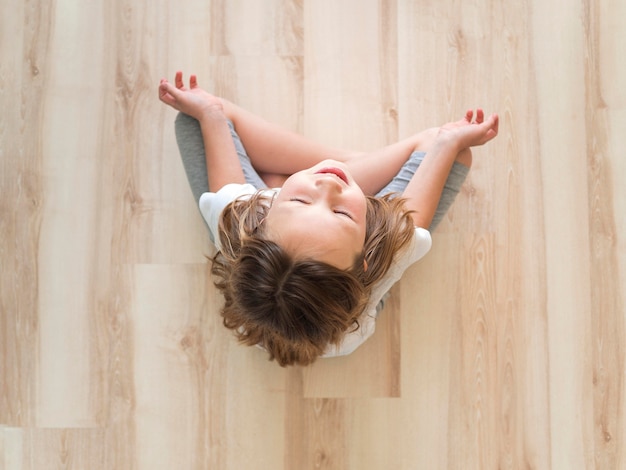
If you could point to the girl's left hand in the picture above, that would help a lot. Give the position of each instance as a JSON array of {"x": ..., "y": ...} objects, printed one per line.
[{"x": 193, "y": 101}]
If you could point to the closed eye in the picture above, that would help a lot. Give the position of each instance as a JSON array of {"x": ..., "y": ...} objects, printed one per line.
[
  {"x": 298, "y": 200},
  {"x": 343, "y": 213},
  {"x": 336, "y": 211}
]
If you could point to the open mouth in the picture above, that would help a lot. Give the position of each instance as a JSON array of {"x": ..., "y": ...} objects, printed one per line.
[{"x": 334, "y": 171}]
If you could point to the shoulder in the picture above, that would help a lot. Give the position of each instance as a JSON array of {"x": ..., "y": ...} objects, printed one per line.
[
  {"x": 417, "y": 249},
  {"x": 212, "y": 204},
  {"x": 226, "y": 194},
  {"x": 353, "y": 339},
  {"x": 419, "y": 245}
]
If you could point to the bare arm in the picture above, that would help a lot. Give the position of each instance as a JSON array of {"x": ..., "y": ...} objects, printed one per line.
[
  {"x": 424, "y": 190},
  {"x": 223, "y": 165}
]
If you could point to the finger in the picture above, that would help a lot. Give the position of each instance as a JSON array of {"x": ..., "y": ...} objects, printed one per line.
[
  {"x": 168, "y": 93},
  {"x": 178, "y": 80},
  {"x": 469, "y": 114},
  {"x": 193, "y": 81},
  {"x": 491, "y": 127},
  {"x": 480, "y": 116},
  {"x": 164, "y": 96},
  {"x": 167, "y": 87},
  {"x": 162, "y": 88},
  {"x": 496, "y": 123}
]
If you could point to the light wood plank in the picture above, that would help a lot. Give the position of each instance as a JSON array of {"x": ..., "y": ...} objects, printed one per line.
[
  {"x": 350, "y": 95},
  {"x": 21, "y": 201},
  {"x": 566, "y": 219},
  {"x": 607, "y": 301}
]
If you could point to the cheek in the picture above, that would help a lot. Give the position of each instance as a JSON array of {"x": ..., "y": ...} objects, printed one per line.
[{"x": 361, "y": 209}]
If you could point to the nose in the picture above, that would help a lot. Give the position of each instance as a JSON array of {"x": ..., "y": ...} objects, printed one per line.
[
  {"x": 328, "y": 189},
  {"x": 329, "y": 183}
]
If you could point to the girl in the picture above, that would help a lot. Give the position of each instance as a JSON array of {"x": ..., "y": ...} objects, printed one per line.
[{"x": 304, "y": 267}]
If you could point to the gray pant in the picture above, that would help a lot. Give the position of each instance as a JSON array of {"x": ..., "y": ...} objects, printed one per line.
[{"x": 191, "y": 146}]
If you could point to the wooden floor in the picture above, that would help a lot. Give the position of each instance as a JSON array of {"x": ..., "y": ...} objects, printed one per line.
[{"x": 504, "y": 348}]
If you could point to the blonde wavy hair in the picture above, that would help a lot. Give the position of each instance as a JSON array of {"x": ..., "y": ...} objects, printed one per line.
[{"x": 296, "y": 308}]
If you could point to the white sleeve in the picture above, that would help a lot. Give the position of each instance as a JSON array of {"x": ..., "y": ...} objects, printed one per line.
[
  {"x": 212, "y": 205},
  {"x": 417, "y": 249}
]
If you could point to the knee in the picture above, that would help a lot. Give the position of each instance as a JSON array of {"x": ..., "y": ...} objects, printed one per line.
[
  {"x": 183, "y": 120},
  {"x": 464, "y": 157},
  {"x": 185, "y": 126}
]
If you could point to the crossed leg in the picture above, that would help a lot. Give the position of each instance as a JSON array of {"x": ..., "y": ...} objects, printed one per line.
[{"x": 276, "y": 153}]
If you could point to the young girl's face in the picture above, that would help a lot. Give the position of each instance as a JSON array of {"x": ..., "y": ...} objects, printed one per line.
[{"x": 320, "y": 213}]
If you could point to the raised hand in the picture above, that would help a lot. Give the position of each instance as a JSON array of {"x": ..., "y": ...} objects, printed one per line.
[
  {"x": 470, "y": 132},
  {"x": 193, "y": 101}
]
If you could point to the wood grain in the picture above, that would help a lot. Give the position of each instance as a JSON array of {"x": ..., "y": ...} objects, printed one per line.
[{"x": 504, "y": 348}]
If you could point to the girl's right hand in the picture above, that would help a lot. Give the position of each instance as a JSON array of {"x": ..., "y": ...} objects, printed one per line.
[
  {"x": 466, "y": 132},
  {"x": 193, "y": 101}
]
